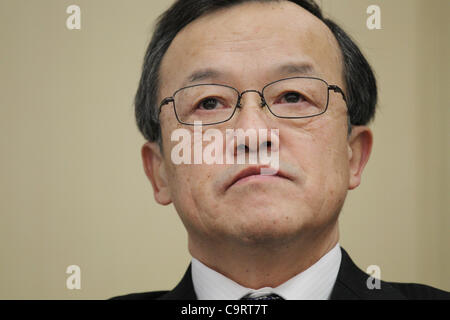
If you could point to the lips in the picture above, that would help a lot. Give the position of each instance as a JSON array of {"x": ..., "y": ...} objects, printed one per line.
[{"x": 255, "y": 171}]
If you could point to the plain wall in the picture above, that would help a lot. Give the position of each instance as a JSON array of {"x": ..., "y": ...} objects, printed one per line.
[{"x": 72, "y": 186}]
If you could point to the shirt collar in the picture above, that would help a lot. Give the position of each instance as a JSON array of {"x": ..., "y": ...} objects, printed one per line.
[{"x": 315, "y": 283}]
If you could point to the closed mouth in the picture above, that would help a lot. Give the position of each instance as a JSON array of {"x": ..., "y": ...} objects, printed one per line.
[{"x": 256, "y": 172}]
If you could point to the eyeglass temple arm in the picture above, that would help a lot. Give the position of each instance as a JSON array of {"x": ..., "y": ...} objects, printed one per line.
[
  {"x": 337, "y": 89},
  {"x": 164, "y": 102}
]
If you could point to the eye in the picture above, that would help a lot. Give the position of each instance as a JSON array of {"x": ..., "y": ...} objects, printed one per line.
[
  {"x": 292, "y": 97},
  {"x": 209, "y": 104}
]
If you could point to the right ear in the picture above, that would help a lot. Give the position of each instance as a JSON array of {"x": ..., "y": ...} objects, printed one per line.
[{"x": 155, "y": 169}]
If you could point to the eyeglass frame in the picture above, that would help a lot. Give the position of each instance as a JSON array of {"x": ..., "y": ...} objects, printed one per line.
[{"x": 332, "y": 87}]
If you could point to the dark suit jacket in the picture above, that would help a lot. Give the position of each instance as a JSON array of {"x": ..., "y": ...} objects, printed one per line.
[{"x": 351, "y": 284}]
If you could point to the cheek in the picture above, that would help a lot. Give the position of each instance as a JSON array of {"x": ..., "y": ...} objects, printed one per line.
[
  {"x": 320, "y": 149},
  {"x": 184, "y": 189},
  {"x": 331, "y": 159},
  {"x": 190, "y": 184},
  {"x": 192, "y": 194},
  {"x": 186, "y": 183},
  {"x": 334, "y": 173}
]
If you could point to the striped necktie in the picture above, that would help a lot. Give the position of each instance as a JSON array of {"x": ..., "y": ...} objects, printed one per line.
[{"x": 265, "y": 296}]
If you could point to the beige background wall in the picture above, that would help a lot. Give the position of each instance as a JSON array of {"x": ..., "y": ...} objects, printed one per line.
[{"x": 72, "y": 188}]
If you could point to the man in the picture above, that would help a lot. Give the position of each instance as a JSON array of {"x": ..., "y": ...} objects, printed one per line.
[{"x": 281, "y": 68}]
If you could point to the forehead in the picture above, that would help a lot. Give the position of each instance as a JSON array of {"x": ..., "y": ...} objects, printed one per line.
[{"x": 249, "y": 44}]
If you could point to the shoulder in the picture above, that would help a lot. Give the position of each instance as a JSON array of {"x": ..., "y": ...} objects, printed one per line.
[
  {"x": 416, "y": 291},
  {"x": 352, "y": 283},
  {"x": 183, "y": 291}
]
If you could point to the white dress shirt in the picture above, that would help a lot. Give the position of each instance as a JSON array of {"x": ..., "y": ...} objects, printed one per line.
[{"x": 315, "y": 283}]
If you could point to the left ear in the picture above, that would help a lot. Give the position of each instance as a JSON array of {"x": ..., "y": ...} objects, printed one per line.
[{"x": 359, "y": 148}]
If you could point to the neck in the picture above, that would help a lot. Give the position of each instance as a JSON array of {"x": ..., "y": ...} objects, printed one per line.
[{"x": 257, "y": 266}]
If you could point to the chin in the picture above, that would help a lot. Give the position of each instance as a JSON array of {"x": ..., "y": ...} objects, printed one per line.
[
  {"x": 269, "y": 226},
  {"x": 267, "y": 237}
]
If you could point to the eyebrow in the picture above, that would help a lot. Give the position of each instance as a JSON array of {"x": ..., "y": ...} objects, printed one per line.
[
  {"x": 202, "y": 74},
  {"x": 286, "y": 69},
  {"x": 296, "y": 68}
]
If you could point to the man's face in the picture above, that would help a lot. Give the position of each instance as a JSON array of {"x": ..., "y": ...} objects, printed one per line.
[{"x": 247, "y": 44}]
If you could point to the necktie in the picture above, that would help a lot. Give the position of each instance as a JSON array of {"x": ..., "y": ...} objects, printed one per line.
[{"x": 266, "y": 296}]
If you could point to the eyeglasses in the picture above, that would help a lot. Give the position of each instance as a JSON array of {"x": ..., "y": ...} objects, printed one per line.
[{"x": 289, "y": 98}]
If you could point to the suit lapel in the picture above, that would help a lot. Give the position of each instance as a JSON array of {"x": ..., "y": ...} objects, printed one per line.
[
  {"x": 351, "y": 283},
  {"x": 184, "y": 290}
]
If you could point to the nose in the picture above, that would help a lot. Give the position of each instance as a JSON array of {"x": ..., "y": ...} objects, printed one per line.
[
  {"x": 263, "y": 102},
  {"x": 252, "y": 126},
  {"x": 251, "y": 113}
]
